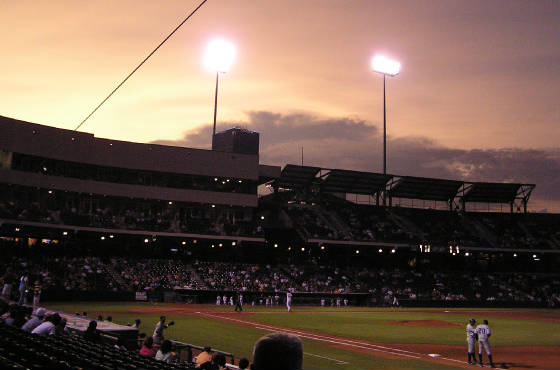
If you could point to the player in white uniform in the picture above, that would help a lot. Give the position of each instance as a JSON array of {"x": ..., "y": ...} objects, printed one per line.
[
  {"x": 483, "y": 332},
  {"x": 471, "y": 333},
  {"x": 289, "y": 301},
  {"x": 218, "y": 300}
]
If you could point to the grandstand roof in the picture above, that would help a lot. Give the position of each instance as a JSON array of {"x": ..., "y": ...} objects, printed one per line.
[
  {"x": 424, "y": 188},
  {"x": 354, "y": 182},
  {"x": 294, "y": 176},
  {"x": 485, "y": 192},
  {"x": 409, "y": 187}
]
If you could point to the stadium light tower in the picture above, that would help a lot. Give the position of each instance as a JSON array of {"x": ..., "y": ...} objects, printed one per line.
[
  {"x": 386, "y": 67},
  {"x": 219, "y": 57}
]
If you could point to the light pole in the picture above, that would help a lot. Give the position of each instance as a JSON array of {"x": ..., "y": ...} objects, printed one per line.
[
  {"x": 219, "y": 58},
  {"x": 386, "y": 67}
]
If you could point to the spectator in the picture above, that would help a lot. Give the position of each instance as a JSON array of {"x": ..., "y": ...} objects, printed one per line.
[
  {"x": 48, "y": 327},
  {"x": 10, "y": 316},
  {"x": 204, "y": 357},
  {"x": 278, "y": 351},
  {"x": 164, "y": 353},
  {"x": 8, "y": 279},
  {"x": 219, "y": 361},
  {"x": 91, "y": 333},
  {"x": 120, "y": 344},
  {"x": 22, "y": 289},
  {"x": 140, "y": 340},
  {"x": 61, "y": 328},
  {"x": 147, "y": 349},
  {"x": 35, "y": 320},
  {"x": 243, "y": 363},
  {"x": 36, "y": 293}
]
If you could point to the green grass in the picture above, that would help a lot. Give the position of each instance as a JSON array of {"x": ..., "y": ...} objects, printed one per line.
[
  {"x": 360, "y": 323},
  {"x": 377, "y": 327}
]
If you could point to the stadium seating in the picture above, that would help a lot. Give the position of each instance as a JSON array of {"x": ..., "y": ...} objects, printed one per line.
[{"x": 21, "y": 350}]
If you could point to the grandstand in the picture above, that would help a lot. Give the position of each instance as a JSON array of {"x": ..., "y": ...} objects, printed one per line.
[{"x": 97, "y": 219}]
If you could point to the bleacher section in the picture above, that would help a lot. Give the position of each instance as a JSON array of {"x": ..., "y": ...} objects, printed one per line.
[{"x": 22, "y": 350}]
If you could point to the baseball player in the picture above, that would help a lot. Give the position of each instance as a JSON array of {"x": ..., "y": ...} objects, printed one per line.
[
  {"x": 239, "y": 304},
  {"x": 158, "y": 331},
  {"x": 289, "y": 301},
  {"x": 483, "y": 332},
  {"x": 471, "y": 334}
]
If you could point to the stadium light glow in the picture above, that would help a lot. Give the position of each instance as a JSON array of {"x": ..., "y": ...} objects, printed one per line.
[
  {"x": 382, "y": 64},
  {"x": 219, "y": 56},
  {"x": 387, "y": 67}
]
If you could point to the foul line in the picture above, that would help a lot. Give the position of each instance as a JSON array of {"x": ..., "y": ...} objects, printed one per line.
[
  {"x": 345, "y": 342},
  {"x": 322, "y": 338},
  {"x": 327, "y": 358}
]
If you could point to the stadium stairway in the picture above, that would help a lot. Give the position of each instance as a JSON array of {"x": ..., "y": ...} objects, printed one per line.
[
  {"x": 408, "y": 226},
  {"x": 335, "y": 219},
  {"x": 479, "y": 229},
  {"x": 195, "y": 277},
  {"x": 116, "y": 276}
]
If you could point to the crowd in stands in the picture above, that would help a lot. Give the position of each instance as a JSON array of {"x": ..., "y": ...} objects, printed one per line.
[
  {"x": 91, "y": 210},
  {"x": 324, "y": 216},
  {"x": 150, "y": 274},
  {"x": 269, "y": 281}
]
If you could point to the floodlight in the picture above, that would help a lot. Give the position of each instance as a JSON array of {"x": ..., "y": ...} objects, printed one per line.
[
  {"x": 219, "y": 56},
  {"x": 384, "y": 65}
]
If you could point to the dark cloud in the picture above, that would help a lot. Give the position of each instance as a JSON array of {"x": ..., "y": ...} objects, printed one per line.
[{"x": 351, "y": 143}]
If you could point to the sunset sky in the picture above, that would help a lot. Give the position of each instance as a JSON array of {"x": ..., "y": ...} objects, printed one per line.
[{"x": 478, "y": 97}]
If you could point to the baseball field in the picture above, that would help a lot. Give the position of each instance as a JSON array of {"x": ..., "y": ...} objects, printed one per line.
[{"x": 354, "y": 338}]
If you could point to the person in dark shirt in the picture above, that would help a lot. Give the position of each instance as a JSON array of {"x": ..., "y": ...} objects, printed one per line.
[{"x": 91, "y": 333}]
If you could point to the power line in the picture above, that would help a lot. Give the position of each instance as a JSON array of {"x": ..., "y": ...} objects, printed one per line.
[{"x": 140, "y": 65}]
